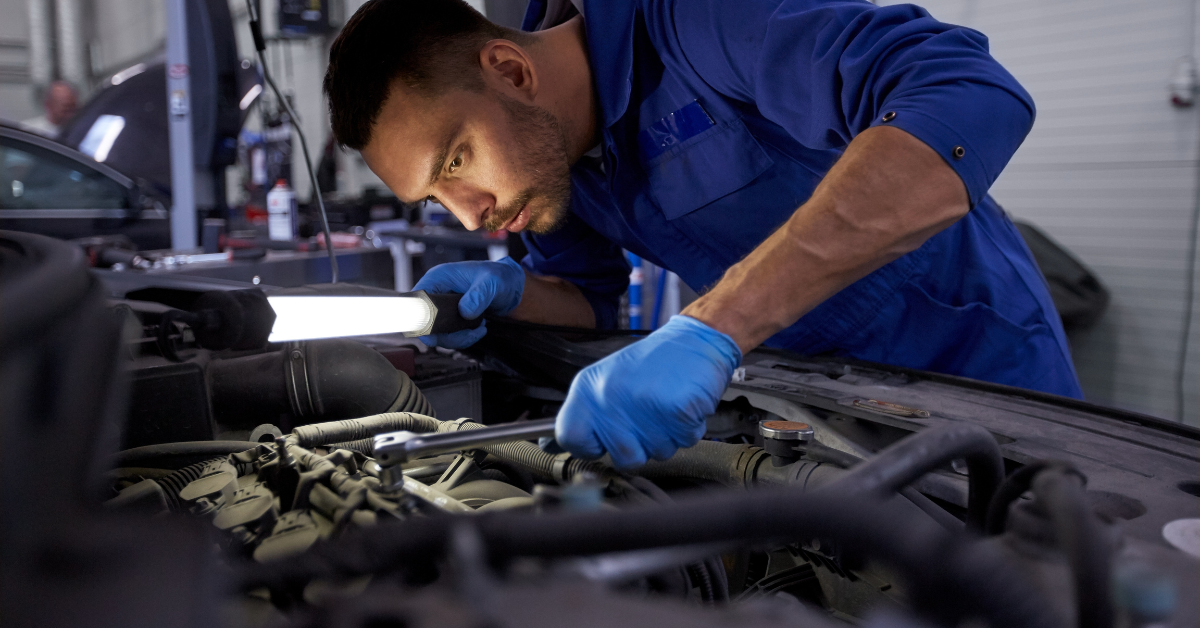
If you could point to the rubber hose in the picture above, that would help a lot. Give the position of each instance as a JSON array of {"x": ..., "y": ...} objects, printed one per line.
[
  {"x": 948, "y": 576},
  {"x": 1060, "y": 493},
  {"x": 319, "y": 434},
  {"x": 1013, "y": 486},
  {"x": 168, "y": 453},
  {"x": 714, "y": 568},
  {"x": 313, "y": 380},
  {"x": 735, "y": 466},
  {"x": 364, "y": 446},
  {"x": 724, "y": 463},
  {"x": 411, "y": 399},
  {"x": 174, "y": 483},
  {"x": 700, "y": 577},
  {"x": 820, "y": 452},
  {"x": 905, "y": 461}
]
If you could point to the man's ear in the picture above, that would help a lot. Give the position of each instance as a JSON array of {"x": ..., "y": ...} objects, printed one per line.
[{"x": 508, "y": 68}]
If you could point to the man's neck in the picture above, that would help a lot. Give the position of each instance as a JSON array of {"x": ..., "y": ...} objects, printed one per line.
[{"x": 565, "y": 81}]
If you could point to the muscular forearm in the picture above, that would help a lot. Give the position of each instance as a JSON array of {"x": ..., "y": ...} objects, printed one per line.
[
  {"x": 887, "y": 194},
  {"x": 553, "y": 301}
]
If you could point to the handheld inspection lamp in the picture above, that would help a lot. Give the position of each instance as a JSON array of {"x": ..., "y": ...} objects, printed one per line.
[{"x": 248, "y": 319}]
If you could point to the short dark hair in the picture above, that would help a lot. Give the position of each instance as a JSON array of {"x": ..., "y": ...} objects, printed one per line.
[{"x": 429, "y": 45}]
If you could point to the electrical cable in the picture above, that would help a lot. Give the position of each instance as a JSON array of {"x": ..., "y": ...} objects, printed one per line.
[
  {"x": 155, "y": 455},
  {"x": 1189, "y": 304},
  {"x": 260, "y": 46}
]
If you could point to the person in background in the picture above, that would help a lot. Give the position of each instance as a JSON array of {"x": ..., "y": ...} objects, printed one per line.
[{"x": 60, "y": 105}]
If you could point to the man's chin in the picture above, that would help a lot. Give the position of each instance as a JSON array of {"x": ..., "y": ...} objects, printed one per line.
[{"x": 547, "y": 219}]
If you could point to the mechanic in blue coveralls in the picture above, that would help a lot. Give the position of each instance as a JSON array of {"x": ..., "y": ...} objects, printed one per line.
[{"x": 818, "y": 170}]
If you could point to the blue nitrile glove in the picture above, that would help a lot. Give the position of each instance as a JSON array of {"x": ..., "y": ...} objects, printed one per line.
[
  {"x": 494, "y": 287},
  {"x": 650, "y": 398}
]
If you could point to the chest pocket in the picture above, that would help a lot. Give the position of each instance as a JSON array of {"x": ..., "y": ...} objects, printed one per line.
[{"x": 693, "y": 161}]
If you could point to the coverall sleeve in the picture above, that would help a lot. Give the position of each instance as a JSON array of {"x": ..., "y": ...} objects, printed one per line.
[
  {"x": 826, "y": 70},
  {"x": 577, "y": 253}
]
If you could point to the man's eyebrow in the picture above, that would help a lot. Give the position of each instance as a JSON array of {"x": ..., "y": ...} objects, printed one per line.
[{"x": 439, "y": 159}]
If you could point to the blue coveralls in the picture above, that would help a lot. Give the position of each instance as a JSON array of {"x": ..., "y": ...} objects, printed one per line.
[{"x": 720, "y": 117}]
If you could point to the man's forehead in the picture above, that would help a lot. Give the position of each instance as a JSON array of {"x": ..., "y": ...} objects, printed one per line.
[{"x": 409, "y": 134}]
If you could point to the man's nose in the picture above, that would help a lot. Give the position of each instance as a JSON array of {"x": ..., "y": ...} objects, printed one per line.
[{"x": 469, "y": 205}]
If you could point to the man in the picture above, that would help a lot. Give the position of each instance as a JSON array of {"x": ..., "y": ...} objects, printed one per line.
[
  {"x": 60, "y": 104},
  {"x": 818, "y": 169}
]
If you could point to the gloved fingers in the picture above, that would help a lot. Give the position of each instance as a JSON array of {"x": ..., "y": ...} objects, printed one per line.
[
  {"x": 623, "y": 447},
  {"x": 457, "y": 340},
  {"x": 574, "y": 433},
  {"x": 478, "y": 297},
  {"x": 444, "y": 278},
  {"x": 660, "y": 448}
]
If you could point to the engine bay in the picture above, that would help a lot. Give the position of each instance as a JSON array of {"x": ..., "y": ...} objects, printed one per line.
[{"x": 376, "y": 482}]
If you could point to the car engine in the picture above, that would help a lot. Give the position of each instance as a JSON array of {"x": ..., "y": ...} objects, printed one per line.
[{"x": 154, "y": 480}]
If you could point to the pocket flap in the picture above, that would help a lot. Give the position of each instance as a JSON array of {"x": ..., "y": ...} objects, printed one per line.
[{"x": 705, "y": 167}]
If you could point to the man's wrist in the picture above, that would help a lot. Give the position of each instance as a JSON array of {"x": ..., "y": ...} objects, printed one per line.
[{"x": 728, "y": 319}]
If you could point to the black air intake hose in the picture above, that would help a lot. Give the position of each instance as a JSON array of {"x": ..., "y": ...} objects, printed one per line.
[{"x": 317, "y": 379}]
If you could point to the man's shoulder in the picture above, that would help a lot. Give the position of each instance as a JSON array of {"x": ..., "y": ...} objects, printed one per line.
[{"x": 40, "y": 125}]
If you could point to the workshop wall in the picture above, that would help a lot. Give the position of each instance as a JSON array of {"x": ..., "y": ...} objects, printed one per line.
[
  {"x": 17, "y": 99},
  {"x": 1110, "y": 171}
]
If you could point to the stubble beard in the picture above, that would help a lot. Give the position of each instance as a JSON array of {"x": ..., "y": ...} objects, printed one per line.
[{"x": 541, "y": 155}]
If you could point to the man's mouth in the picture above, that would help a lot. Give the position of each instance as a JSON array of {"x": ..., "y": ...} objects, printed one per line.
[{"x": 519, "y": 221}]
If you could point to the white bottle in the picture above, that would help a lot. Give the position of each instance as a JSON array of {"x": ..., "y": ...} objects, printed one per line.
[{"x": 281, "y": 212}]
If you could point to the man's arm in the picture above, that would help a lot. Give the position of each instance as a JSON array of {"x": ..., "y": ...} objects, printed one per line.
[
  {"x": 887, "y": 194},
  {"x": 553, "y": 301}
]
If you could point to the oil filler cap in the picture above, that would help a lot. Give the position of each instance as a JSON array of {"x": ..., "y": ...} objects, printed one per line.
[{"x": 786, "y": 430}]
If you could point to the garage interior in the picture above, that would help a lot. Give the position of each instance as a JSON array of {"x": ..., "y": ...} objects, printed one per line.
[{"x": 170, "y": 463}]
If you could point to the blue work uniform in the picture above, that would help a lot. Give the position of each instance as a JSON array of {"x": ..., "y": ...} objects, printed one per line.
[{"x": 720, "y": 117}]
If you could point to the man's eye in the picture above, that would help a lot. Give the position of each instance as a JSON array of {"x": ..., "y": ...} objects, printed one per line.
[{"x": 456, "y": 163}]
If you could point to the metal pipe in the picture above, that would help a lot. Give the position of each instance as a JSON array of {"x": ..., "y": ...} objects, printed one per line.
[
  {"x": 399, "y": 447},
  {"x": 179, "y": 117}
]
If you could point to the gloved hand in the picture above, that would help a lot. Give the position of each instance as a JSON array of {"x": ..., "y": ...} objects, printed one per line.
[
  {"x": 494, "y": 287},
  {"x": 650, "y": 398}
]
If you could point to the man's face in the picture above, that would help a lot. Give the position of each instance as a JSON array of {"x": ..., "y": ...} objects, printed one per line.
[
  {"x": 61, "y": 103},
  {"x": 492, "y": 161}
]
